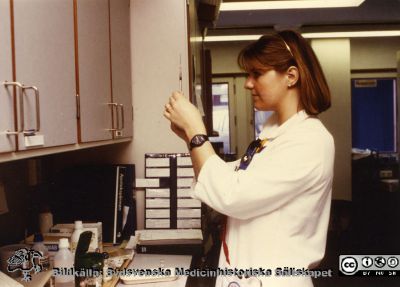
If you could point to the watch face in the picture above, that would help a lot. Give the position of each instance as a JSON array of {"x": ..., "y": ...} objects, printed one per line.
[{"x": 198, "y": 140}]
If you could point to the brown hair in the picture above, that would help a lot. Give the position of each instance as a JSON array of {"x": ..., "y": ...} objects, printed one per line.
[{"x": 281, "y": 50}]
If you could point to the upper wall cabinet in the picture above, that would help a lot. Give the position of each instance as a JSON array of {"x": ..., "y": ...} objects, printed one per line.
[
  {"x": 93, "y": 57},
  {"x": 161, "y": 48},
  {"x": 121, "y": 67},
  {"x": 7, "y": 123},
  {"x": 104, "y": 69},
  {"x": 65, "y": 74},
  {"x": 45, "y": 69},
  {"x": 38, "y": 107}
]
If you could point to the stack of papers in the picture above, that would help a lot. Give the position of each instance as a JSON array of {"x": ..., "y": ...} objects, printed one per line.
[
  {"x": 168, "y": 234},
  {"x": 169, "y": 241}
]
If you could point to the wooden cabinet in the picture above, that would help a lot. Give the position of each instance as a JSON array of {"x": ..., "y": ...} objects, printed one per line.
[{"x": 7, "y": 123}]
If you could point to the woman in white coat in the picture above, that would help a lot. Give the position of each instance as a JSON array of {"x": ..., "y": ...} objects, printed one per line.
[{"x": 277, "y": 197}]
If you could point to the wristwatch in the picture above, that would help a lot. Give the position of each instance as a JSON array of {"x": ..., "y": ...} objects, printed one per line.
[{"x": 197, "y": 141}]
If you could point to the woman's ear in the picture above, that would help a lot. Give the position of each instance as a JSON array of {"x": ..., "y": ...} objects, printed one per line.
[{"x": 292, "y": 75}]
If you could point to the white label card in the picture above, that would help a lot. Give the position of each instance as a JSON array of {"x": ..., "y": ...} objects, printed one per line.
[
  {"x": 157, "y": 172},
  {"x": 185, "y": 172},
  {"x": 157, "y": 202},
  {"x": 184, "y": 192},
  {"x": 184, "y": 161},
  {"x": 157, "y": 162},
  {"x": 189, "y": 223},
  {"x": 157, "y": 223},
  {"x": 184, "y": 182},
  {"x": 147, "y": 182},
  {"x": 157, "y": 192},
  {"x": 189, "y": 203},
  {"x": 157, "y": 213},
  {"x": 189, "y": 212}
]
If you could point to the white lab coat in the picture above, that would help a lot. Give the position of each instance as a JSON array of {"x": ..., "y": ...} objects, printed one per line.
[{"x": 278, "y": 207}]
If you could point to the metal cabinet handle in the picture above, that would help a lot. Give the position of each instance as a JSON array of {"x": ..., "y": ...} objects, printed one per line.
[
  {"x": 37, "y": 129},
  {"x": 19, "y": 85},
  {"x": 112, "y": 107},
  {"x": 119, "y": 109},
  {"x": 21, "y": 107},
  {"x": 121, "y": 106}
]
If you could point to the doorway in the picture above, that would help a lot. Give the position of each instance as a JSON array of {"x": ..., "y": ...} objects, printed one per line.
[{"x": 240, "y": 109}]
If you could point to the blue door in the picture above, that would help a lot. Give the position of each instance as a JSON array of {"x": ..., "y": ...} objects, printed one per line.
[{"x": 374, "y": 114}]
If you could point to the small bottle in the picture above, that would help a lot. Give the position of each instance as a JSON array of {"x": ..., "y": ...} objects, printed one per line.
[
  {"x": 39, "y": 246},
  {"x": 45, "y": 220},
  {"x": 63, "y": 265},
  {"x": 78, "y": 229}
]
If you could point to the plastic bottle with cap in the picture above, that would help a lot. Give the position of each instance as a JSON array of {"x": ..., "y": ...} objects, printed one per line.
[
  {"x": 39, "y": 246},
  {"x": 63, "y": 265},
  {"x": 78, "y": 229}
]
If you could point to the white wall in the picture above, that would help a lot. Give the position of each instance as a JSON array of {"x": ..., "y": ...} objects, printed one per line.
[
  {"x": 334, "y": 57},
  {"x": 224, "y": 56},
  {"x": 374, "y": 53}
]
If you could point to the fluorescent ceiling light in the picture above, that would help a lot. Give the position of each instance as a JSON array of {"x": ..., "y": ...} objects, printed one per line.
[
  {"x": 392, "y": 33},
  {"x": 231, "y": 38},
  {"x": 358, "y": 34},
  {"x": 291, "y": 4}
]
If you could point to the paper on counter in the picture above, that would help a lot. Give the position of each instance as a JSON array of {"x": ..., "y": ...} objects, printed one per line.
[
  {"x": 155, "y": 234},
  {"x": 131, "y": 243}
]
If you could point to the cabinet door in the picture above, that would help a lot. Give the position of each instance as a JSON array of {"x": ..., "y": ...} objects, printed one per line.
[
  {"x": 44, "y": 55},
  {"x": 121, "y": 65},
  {"x": 94, "y": 69},
  {"x": 7, "y": 142}
]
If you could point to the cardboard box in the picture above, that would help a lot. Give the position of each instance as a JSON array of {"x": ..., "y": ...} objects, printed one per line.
[{"x": 68, "y": 228}]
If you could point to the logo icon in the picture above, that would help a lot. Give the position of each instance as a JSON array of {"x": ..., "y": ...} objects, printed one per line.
[
  {"x": 380, "y": 261},
  {"x": 367, "y": 262},
  {"x": 24, "y": 260},
  {"x": 393, "y": 262},
  {"x": 348, "y": 265}
]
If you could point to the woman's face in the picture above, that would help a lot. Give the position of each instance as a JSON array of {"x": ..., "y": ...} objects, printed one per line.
[{"x": 267, "y": 89}]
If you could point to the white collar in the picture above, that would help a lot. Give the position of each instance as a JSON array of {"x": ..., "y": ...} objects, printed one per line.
[{"x": 272, "y": 129}]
